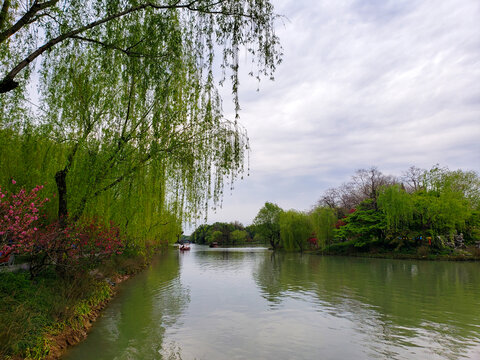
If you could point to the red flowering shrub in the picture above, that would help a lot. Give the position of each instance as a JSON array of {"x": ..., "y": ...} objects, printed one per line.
[
  {"x": 340, "y": 223},
  {"x": 85, "y": 242},
  {"x": 82, "y": 244},
  {"x": 91, "y": 238},
  {"x": 313, "y": 242}
]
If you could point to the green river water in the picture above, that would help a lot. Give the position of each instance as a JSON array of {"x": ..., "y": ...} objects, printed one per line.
[{"x": 252, "y": 304}]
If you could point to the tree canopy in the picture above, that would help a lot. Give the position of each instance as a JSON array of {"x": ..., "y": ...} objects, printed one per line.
[
  {"x": 222, "y": 233},
  {"x": 133, "y": 29},
  {"x": 295, "y": 230},
  {"x": 267, "y": 223},
  {"x": 434, "y": 205}
]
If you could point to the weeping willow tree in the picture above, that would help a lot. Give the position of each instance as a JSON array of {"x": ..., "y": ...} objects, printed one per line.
[
  {"x": 449, "y": 201},
  {"x": 295, "y": 229},
  {"x": 323, "y": 222},
  {"x": 30, "y": 158},
  {"x": 397, "y": 206},
  {"x": 129, "y": 99},
  {"x": 156, "y": 147}
]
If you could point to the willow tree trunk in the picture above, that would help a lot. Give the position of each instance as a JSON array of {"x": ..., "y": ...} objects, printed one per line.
[{"x": 61, "y": 180}]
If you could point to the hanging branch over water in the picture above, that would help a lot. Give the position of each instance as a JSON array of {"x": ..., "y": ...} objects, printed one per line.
[{"x": 59, "y": 27}]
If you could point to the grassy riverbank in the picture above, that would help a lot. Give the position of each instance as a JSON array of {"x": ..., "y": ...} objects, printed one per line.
[{"x": 41, "y": 318}]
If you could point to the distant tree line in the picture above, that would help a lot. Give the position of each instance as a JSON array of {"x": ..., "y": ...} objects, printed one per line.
[
  {"x": 233, "y": 233},
  {"x": 421, "y": 210}
]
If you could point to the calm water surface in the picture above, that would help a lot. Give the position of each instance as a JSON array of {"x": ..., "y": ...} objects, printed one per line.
[{"x": 253, "y": 304}]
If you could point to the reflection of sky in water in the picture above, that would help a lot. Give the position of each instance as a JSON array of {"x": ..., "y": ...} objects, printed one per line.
[{"x": 250, "y": 304}]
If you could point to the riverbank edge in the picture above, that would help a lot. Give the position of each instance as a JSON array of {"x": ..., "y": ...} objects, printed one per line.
[
  {"x": 68, "y": 332},
  {"x": 403, "y": 256},
  {"x": 73, "y": 334}
]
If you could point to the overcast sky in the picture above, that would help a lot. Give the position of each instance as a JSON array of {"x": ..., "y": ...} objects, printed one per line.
[{"x": 363, "y": 83}]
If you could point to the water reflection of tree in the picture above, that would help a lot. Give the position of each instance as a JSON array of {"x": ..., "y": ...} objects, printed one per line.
[
  {"x": 268, "y": 278},
  {"x": 134, "y": 324},
  {"x": 224, "y": 259},
  {"x": 405, "y": 303}
]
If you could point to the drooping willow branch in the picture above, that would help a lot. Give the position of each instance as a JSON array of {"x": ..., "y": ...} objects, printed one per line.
[{"x": 8, "y": 83}]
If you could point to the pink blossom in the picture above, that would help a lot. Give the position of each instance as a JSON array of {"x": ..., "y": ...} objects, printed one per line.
[{"x": 13, "y": 182}]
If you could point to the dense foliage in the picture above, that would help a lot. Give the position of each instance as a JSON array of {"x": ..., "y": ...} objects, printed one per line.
[
  {"x": 267, "y": 223},
  {"x": 225, "y": 234},
  {"x": 295, "y": 230},
  {"x": 437, "y": 209}
]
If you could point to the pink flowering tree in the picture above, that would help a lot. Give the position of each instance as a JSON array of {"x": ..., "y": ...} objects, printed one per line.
[
  {"x": 68, "y": 245},
  {"x": 20, "y": 219}
]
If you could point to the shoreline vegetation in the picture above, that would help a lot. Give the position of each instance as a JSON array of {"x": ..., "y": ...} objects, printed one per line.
[
  {"x": 41, "y": 319},
  {"x": 422, "y": 214}
]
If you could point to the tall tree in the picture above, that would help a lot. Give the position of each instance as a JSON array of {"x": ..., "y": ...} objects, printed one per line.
[
  {"x": 397, "y": 206},
  {"x": 267, "y": 223},
  {"x": 368, "y": 183},
  {"x": 413, "y": 178},
  {"x": 365, "y": 184},
  {"x": 323, "y": 221},
  {"x": 295, "y": 230}
]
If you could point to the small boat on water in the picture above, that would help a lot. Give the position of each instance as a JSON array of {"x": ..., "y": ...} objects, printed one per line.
[
  {"x": 184, "y": 247},
  {"x": 214, "y": 244}
]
